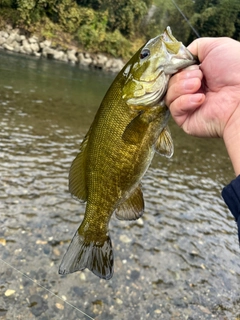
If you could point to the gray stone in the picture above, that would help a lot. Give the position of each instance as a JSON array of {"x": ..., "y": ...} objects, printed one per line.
[
  {"x": 60, "y": 55},
  {"x": 4, "y": 34},
  {"x": 16, "y": 46},
  {"x": 7, "y": 47},
  {"x": 71, "y": 55},
  {"x": 84, "y": 60},
  {"x": 33, "y": 39},
  {"x": 117, "y": 65},
  {"x": 22, "y": 37},
  {"x": 11, "y": 38},
  {"x": 45, "y": 44},
  {"x": 21, "y": 50},
  {"x": 26, "y": 46},
  {"x": 2, "y": 40},
  {"x": 34, "y": 46},
  {"x": 101, "y": 60}
]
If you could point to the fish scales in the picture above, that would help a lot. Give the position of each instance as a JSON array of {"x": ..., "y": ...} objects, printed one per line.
[{"x": 129, "y": 127}]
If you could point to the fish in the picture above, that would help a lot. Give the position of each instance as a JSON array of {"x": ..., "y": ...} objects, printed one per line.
[{"x": 129, "y": 127}]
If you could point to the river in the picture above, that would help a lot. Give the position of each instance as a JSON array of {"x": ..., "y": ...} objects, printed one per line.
[{"x": 179, "y": 261}]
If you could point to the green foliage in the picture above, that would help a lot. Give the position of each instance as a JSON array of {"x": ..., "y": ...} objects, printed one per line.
[
  {"x": 211, "y": 18},
  {"x": 166, "y": 14},
  {"x": 93, "y": 35},
  {"x": 217, "y": 18},
  {"x": 7, "y": 3},
  {"x": 117, "y": 27},
  {"x": 123, "y": 15}
]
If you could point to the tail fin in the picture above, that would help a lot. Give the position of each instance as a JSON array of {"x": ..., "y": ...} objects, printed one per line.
[{"x": 96, "y": 256}]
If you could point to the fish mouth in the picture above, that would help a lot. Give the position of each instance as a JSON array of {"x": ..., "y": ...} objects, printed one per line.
[
  {"x": 167, "y": 35},
  {"x": 181, "y": 57}
]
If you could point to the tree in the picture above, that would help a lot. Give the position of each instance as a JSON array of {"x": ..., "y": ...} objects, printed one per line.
[{"x": 217, "y": 18}]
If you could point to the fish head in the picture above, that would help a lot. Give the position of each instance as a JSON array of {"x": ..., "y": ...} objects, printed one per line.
[{"x": 148, "y": 72}]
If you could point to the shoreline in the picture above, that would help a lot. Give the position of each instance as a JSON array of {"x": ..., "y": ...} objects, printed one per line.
[{"x": 12, "y": 40}]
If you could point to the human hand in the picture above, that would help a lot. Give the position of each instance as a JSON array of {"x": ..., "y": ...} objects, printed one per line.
[{"x": 205, "y": 100}]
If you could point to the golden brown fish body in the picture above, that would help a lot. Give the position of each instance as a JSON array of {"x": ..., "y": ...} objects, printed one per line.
[{"x": 130, "y": 125}]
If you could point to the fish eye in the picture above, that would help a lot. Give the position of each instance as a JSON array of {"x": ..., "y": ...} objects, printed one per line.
[{"x": 144, "y": 53}]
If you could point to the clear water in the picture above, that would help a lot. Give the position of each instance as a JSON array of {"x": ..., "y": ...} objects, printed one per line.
[{"x": 180, "y": 261}]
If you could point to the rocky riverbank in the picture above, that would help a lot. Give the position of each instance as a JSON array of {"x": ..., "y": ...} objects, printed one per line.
[{"x": 12, "y": 40}]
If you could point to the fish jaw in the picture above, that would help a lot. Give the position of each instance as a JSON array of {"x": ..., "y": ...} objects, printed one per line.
[{"x": 179, "y": 56}]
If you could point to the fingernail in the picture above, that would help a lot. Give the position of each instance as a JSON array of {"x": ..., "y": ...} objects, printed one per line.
[
  {"x": 196, "y": 98},
  {"x": 189, "y": 84}
]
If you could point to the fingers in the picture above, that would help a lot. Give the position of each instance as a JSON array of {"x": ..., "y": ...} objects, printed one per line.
[
  {"x": 184, "y": 106},
  {"x": 183, "y": 96},
  {"x": 184, "y": 82}
]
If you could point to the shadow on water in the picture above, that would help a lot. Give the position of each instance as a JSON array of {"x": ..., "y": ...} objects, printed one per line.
[{"x": 180, "y": 261}]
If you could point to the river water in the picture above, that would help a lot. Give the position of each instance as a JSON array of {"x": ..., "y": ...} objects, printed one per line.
[{"x": 179, "y": 261}]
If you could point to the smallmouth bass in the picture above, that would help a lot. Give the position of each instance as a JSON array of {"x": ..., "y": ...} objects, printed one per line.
[{"x": 129, "y": 127}]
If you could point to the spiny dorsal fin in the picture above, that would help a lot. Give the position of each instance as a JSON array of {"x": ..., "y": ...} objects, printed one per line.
[
  {"x": 164, "y": 144},
  {"x": 132, "y": 208},
  {"x": 77, "y": 174}
]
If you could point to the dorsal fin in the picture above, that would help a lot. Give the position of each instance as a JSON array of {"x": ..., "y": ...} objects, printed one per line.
[
  {"x": 77, "y": 174},
  {"x": 164, "y": 144},
  {"x": 132, "y": 208}
]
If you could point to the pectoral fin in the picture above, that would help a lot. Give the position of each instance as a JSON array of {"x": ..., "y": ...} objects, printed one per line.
[
  {"x": 132, "y": 208},
  {"x": 77, "y": 174},
  {"x": 135, "y": 130},
  {"x": 164, "y": 144}
]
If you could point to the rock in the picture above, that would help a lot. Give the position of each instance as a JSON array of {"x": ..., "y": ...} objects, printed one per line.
[
  {"x": 2, "y": 40},
  {"x": 7, "y": 47},
  {"x": 9, "y": 292},
  {"x": 84, "y": 60},
  {"x": 11, "y": 38},
  {"x": 26, "y": 46},
  {"x": 33, "y": 39},
  {"x": 4, "y": 34},
  {"x": 37, "y": 54},
  {"x": 48, "y": 52},
  {"x": 117, "y": 65},
  {"x": 125, "y": 239},
  {"x": 37, "y": 305},
  {"x": 101, "y": 60},
  {"x": 18, "y": 37},
  {"x": 9, "y": 28},
  {"x": 22, "y": 37},
  {"x": 16, "y": 46},
  {"x": 71, "y": 55},
  {"x": 108, "y": 64},
  {"x": 21, "y": 50},
  {"x": 45, "y": 43},
  {"x": 34, "y": 46},
  {"x": 60, "y": 55}
]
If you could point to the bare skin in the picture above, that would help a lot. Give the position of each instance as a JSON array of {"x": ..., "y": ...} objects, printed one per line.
[{"x": 205, "y": 100}]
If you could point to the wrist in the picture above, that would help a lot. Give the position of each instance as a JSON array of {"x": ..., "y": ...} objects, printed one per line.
[{"x": 231, "y": 137}]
